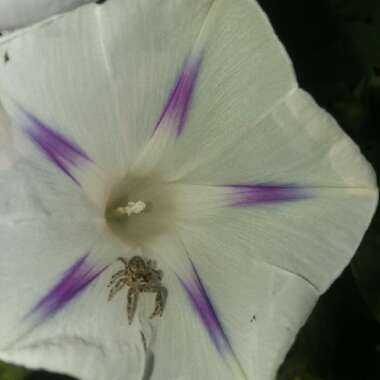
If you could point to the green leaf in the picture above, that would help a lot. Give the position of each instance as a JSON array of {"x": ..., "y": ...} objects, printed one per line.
[{"x": 11, "y": 372}]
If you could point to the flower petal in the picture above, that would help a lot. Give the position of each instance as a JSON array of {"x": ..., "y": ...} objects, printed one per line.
[
  {"x": 266, "y": 264},
  {"x": 296, "y": 143},
  {"x": 262, "y": 268},
  {"x": 313, "y": 237},
  {"x": 172, "y": 120},
  {"x": 55, "y": 312},
  {"x": 33, "y": 192},
  {"x": 52, "y": 309},
  {"x": 73, "y": 281},
  {"x": 62, "y": 152},
  {"x": 177, "y": 107},
  {"x": 245, "y": 73},
  {"x": 249, "y": 122},
  {"x": 189, "y": 326},
  {"x": 6, "y": 149},
  {"x": 203, "y": 306},
  {"x": 70, "y": 89},
  {"x": 261, "y": 307},
  {"x": 152, "y": 61},
  {"x": 261, "y": 194},
  {"x": 18, "y": 13}
]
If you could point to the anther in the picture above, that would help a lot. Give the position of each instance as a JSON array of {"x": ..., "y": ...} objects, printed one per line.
[{"x": 131, "y": 208}]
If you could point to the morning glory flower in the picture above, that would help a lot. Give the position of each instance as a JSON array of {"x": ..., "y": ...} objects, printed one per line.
[{"x": 174, "y": 133}]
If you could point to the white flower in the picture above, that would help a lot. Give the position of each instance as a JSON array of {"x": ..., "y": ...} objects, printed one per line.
[
  {"x": 173, "y": 131},
  {"x": 19, "y": 13}
]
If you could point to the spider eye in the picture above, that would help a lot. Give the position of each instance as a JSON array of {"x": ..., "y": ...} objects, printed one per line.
[
  {"x": 137, "y": 263},
  {"x": 141, "y": 265}
]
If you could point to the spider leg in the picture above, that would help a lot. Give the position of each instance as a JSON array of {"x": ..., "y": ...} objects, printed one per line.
[
  {"x": 157, "y": 274},
  {"x": 116, "y": 276},
  {"x": 150, "y": 267},
  {"x": 161, "y": 296},
  {"x": 132, "y": 297},
  {"x": 118, "y": 273},
  {"x": 124, "y": 261},
  {"x": 117, "y": 287}
]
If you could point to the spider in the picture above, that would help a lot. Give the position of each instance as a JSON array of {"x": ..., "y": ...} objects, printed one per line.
[{"x": 140, "y": 276}]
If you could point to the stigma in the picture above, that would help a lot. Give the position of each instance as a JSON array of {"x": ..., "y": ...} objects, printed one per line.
[{"x": 130, "y": 209}]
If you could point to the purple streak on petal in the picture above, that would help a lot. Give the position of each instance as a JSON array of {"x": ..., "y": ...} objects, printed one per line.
[
  {"x": 250, "y": 195},
  {"x": 202, "y": 304},
  {"x": 63, "y": 153},
  {"x": 73, "y": 281},
  {"x": 178, "y": 105}
]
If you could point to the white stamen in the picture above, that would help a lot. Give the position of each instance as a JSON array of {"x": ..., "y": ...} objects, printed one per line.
[{"x": 131, "y": 208}]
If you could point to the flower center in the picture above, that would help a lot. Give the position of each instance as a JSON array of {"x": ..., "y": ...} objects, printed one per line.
[
  {"x": 139, "y": 209},
  {"x": 130, "y": 209}
]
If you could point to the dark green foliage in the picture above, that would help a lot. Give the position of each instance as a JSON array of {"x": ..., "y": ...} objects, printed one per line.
[{"x": 10, "y": 372}]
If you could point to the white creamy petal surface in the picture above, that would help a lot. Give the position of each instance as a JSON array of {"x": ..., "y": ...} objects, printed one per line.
[
  {"x": 78, "y": 102},
  {"x": 296, "y": 142},
  {"x": 89, "y": 337},
  {"x": 261, "y": 307},
  {"x": 6, "y": 148},
  {"x": 245, "y": 72},
  {"x": 147, "y": 43},
  {"x": 256, "y": 200},
  {"x": 178, "y": 344},
  {"x": 116, "y": 65},
  {"x": 40, "y": 240},
  {"x": 265, "y": 266},
  {"x": 20, "y": 13}
]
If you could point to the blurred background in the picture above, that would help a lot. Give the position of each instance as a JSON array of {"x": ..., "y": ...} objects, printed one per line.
[{"x": 335, "y": 47}]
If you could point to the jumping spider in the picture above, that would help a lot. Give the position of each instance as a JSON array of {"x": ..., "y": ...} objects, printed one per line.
[{"x": 139, "y": 276}]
